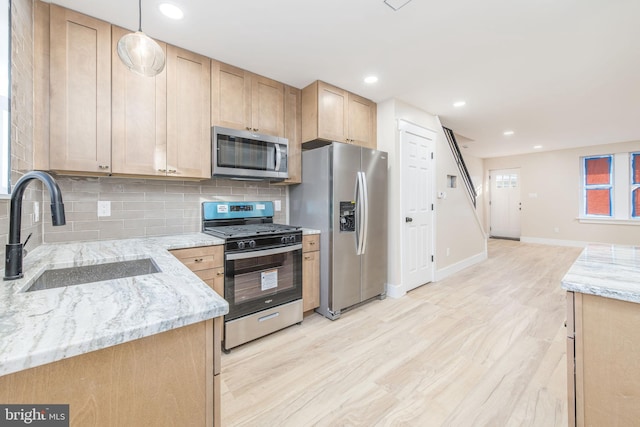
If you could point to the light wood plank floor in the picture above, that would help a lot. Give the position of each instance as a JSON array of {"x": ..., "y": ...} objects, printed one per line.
[{"x": 484, "y": 347}]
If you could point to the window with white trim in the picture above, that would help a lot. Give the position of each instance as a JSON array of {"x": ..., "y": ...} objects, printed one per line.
[
  {"x": 610, "y": 187},
  {"x": 635, "y": 185}
]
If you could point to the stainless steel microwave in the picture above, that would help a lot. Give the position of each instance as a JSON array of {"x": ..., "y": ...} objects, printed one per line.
[{"x": 241, "y": 154}]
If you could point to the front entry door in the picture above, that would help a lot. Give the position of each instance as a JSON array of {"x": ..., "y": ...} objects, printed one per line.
[
  {"x": 417, "y": 146},
  {"x": 505, "y": 203}
]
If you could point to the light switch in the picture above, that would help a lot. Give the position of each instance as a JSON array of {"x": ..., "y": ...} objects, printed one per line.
[
  {"x": 104, "y": 208},
  {"x": 277, "y": 205}
]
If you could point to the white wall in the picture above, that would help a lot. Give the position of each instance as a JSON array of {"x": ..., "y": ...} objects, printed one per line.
[
  {"x": 456, "y": 227},
  {"x": 553, "y": 177}
]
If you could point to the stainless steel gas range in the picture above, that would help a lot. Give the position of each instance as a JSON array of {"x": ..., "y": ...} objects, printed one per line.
[{"x": 263, "y": 269}]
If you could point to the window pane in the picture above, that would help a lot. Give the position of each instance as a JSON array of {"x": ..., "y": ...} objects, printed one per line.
[
  {"x": 635, "y": 203},
  {"x": 598, "y": 170},
  {"x": 599, "y": 202},
  {"x": 635, "y": 168}
]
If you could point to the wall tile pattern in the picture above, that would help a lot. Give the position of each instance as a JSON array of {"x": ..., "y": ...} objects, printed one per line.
[
  {"x": 147, "y": 207},
  {"x": 22, "y": 53}
]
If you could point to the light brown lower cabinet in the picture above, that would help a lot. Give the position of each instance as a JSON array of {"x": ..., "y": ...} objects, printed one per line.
[
  {"x": 165, "y": 379},
  {"x": 310, "y": 272},
  {"x": 207, "y": 262},
  {"x": 604, "y": 374}
]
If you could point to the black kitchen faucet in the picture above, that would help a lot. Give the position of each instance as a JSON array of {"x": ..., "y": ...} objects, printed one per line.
[{"x": 14, "y": 250}]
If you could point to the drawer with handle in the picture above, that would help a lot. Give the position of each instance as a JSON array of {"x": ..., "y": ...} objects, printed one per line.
[{"x": 201, "y": 258}]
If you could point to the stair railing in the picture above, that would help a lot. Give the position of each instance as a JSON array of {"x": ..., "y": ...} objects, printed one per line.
[{"x": 466, "y": 178}]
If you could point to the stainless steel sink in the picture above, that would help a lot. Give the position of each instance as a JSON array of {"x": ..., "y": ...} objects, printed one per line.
[{"x": 57, "y": 278}]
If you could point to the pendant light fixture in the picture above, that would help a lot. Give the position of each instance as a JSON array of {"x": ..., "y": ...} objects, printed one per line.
[{"x": 139, "y": 52}]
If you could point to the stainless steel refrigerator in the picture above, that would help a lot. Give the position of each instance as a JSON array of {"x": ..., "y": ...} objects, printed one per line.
[{"x": 344, "y": 195}]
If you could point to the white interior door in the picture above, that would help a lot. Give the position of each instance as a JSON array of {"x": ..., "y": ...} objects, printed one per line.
[
  {"x": 416, "y": 145},
  {"x": 505, "y": 203}
]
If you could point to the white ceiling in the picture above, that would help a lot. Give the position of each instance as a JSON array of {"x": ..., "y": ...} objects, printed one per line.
[{"x": 559, "y": 73}]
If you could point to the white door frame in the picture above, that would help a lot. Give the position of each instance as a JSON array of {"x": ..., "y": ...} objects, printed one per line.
[{"x": 407, "y": 127}]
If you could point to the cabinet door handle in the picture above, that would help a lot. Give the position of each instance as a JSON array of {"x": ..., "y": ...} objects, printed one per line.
[
  {"x": 103, "y": 166},
  {"x": 312, "y": 242},
  {"x": 256, "y": 129},
  {"x": 248, "y": 128},
  {"x": 162, "y": 170},
  {"x": 220, "y": 273},
  {"x": 172, "y": 171},
  {"x": 307, "y": 257},
  {"x": 199, "y": 259}
]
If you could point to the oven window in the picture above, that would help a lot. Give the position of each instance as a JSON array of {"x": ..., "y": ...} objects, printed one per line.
[
  {"x": 256, "y": 278},
  {"x": 264, "y": 281}
]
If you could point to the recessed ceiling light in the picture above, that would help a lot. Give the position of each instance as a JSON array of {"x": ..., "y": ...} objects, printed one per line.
[
  {"x": 370, "y": 79},
  {"x": 459, "y": 104},
  {"x": 171, "y": 10},
  {"x": 537, "y": 147},
  {"x": 508, "y": 132}
]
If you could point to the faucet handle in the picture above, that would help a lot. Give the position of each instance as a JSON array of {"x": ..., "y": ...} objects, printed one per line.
[{"x": 24, "y": 251}]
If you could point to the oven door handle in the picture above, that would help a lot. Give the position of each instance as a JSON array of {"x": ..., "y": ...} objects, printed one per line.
[{"x": 264, "y": 252}]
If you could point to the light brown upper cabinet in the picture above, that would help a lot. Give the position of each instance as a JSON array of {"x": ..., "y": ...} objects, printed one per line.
[
  {"x": 188, "y": 114},
  {"x": 79, "y": 92},
  {"x": 293, "y": 132},
  {"x": 161, "y": 124},
  {"x": 247, "y": 101},
  {"x": 139, "y": 118},
  {"x": 333, "y": 114}
]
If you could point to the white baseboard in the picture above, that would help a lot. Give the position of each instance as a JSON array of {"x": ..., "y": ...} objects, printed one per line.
[
  {"x": 553, "y": 242},
  {"x": 395, "y": 291},
  {"x": 459, "y": 266}
]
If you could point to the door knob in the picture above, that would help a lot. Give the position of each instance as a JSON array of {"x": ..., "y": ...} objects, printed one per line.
[{"x": 408, "y": 219}]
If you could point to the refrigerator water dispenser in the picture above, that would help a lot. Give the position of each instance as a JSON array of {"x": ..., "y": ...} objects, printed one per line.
[{"x": 347, "y": 216}]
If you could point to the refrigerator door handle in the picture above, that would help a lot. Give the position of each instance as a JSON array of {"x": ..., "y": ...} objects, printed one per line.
[
  {"x": 365, "y": 210},
  {"x": 358, "y": 216},
  {"x": 360, "y": 213}
]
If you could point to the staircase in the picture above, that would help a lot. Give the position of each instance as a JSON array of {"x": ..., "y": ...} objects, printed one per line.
[{"x": 466, "y": 178}]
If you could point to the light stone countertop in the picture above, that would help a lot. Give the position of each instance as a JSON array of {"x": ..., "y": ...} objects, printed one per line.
[
  {"x": 611, "y": 271},
  {"x": 308, "y": 231},
  {"x": 44, "y": 326}
]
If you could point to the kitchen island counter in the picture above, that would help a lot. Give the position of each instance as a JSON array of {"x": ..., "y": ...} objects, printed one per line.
[
  {"x": 611, "y": 271},
  {"x": 603, "y": 347},
  {"x": 44, "y": 326}
]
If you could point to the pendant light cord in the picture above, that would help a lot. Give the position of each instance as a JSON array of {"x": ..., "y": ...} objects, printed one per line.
[{"x": 140, "y": 15}]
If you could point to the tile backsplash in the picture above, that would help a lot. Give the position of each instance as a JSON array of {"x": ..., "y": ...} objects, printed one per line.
[{"x": 146, "y": 207}]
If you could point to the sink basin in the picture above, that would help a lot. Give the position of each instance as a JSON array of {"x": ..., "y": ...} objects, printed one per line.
[{"x": 57, "y": 278}]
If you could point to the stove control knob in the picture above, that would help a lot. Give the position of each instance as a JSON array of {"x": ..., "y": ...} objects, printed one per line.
[
  {"x": 252, "y": 244},
  {"x": 292, "y": 239},
  {"x": 283, "y": 239},
  {"x": 240, "y": 245}
]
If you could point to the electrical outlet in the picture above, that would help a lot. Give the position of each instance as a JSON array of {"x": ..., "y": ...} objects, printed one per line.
[
  {"x": 36, "y": 211},
  {"x": 104, "y": 208}
]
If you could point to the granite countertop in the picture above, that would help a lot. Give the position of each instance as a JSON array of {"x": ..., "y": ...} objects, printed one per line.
[
  {"x": 308, "y": 231},
  {"x": 44, "y": 326},
  {"x": 611, "y": 271}
]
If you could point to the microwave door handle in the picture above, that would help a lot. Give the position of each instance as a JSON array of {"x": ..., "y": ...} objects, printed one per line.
[{"x": 278, "y": 158}]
